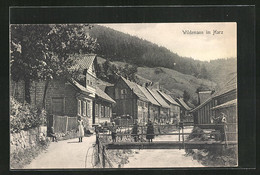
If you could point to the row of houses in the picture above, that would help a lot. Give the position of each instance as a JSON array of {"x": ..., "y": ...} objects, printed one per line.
[
  {"x": 143, "y": 103},
  {"x": 72, "y": 97}
]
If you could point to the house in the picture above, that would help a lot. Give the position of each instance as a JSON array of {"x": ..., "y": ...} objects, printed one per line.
[
  {"x": 203, "y": 113},
  {"x": 72, "y": 97},
  {"x": 100, "y": 105},
  {"x": 174, "y": 107},
  {"x": 164, "y": 110},
  {"x": 153, "y": 105},
  {"x": 103, "y": 107},
  {"x": 130, "y": 100},
  {"x": 184, "y": 109}
]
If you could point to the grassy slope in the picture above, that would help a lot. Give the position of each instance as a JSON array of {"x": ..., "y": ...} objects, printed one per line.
[{"x": 173, "y": 81}]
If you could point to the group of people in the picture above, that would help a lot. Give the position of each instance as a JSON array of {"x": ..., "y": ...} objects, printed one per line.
[
  {"x": 149, "y": 132},
  {"x": 113, "y": 129},
  {"x": 134, "y": 133},
  {"x": 80, "y": 131}
]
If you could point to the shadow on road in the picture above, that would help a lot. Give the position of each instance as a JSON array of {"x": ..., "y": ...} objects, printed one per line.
[{"x": 74, "y": 142}]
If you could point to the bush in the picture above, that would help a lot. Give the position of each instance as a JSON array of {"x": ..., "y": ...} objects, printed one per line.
[
  {"x": 198, "y": 134},
  {"x": 24, "y": 117}
]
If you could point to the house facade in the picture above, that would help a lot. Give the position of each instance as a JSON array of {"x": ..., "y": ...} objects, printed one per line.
[
  {"x": 130, "y": 101},
  {"x": 153, "y": 105},
  {"x": 174, "y": 113},
  {"x": 164, "y": 110}
]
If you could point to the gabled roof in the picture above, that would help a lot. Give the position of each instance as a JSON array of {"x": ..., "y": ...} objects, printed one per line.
[
  {"x": 168, "y": 98},
  {"x": 135, "y": 89},
  {"x": 225, "y": 105},
  {"x": 183, "y": 104},
  {"x": 103, "y": 95},
  {"x": 229, "y": 86},
  {"x": 84, "y": 60},
  {"x": 202, "y": 104},
  {"x": 79, "y": 86},
  {"x": 158, "y": 98},
  {"x": 148, "y": 95}
]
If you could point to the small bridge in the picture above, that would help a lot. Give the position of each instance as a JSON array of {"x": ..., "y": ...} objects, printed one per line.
[
  {"x": 169, "y": 145},
  {"x": 125, "y": 140},
  {"x": 178, "y": 142}
]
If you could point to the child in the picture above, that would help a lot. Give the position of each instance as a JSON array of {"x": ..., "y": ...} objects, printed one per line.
[
  {"x": 80, "y": 129},
  {"x": 53, "y": 135}
]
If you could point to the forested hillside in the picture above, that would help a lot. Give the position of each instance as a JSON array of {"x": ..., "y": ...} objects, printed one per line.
[
  {"x": 118, "y": 46},
  {"x": 142, "y": 61}
]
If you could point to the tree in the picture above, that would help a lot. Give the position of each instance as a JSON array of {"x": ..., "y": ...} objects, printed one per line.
[
  {"x": 42, "y": 52},
  {"x": 186, "y": 96}
]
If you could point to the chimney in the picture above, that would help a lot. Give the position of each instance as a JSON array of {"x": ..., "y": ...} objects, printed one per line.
[{"x": 203, "y": 96}]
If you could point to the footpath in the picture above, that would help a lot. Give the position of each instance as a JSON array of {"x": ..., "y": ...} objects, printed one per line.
[{"x": 65, "y": 154}]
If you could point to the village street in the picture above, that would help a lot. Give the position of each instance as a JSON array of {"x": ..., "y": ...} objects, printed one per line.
[
  {"x": 69, "y": 154},
  {"x": 65, "y": 154}
]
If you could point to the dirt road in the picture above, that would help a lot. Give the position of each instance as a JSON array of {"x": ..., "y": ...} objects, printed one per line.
[{"x": 65, "y": 154}]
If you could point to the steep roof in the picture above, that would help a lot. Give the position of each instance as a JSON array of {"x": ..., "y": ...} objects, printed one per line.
[
  {"x": 227, "y": 104},
  {"x": 202, "y": 104},
  {"x": 103, "y": 95},
  {"x": 229, "y": 86},
  {"x": 158, "y": 98},
  {"x": 148, "y": 95},
  {"x": 168, "y": 98},
  {"x": 183, "y": 104},
  {"x": 135, "y": 89},
  {"x": 84, "y": 60},
  {"x": 79, "y": 86}
]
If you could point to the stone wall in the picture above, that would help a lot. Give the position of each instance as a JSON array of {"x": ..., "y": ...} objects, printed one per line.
[{"x": 27, "y": 139}]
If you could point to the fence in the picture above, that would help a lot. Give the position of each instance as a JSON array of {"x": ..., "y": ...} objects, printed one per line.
[
  {"x": 123, "y": 122},
  {"x": 62, "y": 124}
]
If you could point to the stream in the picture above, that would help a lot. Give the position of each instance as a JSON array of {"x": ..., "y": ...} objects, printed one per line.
[{"x": 162, "y": 158}]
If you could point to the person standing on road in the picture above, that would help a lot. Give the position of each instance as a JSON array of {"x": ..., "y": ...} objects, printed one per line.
[
  {"x": 135, "y": 132},
  {"x": 150, "y": 131},
  {"x": 223, "y": 127},
  {"x": 80, "y": 129},
  {"x": 113, "y": 132}
]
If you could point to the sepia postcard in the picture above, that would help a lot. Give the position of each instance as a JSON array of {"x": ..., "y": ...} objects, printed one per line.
[{"x": 123, "y": 95}]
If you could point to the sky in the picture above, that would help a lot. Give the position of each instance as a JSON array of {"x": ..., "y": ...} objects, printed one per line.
[{"x": 202, "y": 47}]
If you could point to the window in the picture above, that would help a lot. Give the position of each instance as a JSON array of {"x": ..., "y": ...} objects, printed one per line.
[
  {"x": 123, "y": 93},
  {"x": 84, "y": 108},
  {"x": 57, "y": 106},
  {"x": 105, "y": 115},
  {"x": 88, "y": 109},
  {"x": 96, "y": 110},
  {"x": 79, "y": 107},
  {"x": 102, "y": 111}
]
